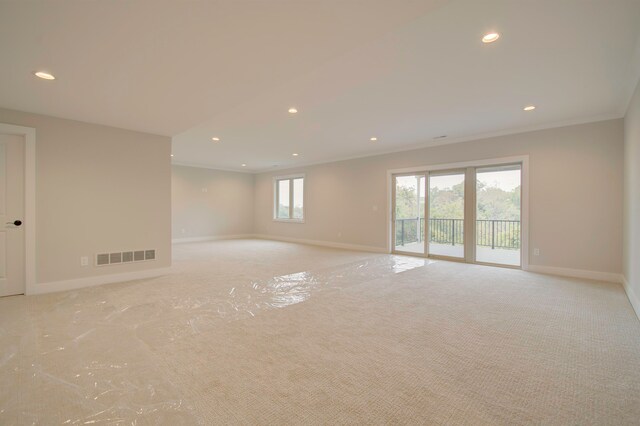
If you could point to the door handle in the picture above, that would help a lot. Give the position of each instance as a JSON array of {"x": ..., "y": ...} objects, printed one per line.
[{"x": 15, "y": 222}]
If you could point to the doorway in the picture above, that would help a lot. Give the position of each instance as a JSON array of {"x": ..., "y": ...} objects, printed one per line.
[{"x": 469, "y": 212}]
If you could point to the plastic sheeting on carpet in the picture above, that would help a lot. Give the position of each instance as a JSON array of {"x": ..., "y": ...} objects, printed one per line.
[{"x": 90, "y": 356}]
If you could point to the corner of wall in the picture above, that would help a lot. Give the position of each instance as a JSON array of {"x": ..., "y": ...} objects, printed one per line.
[
  {"x": 631, "y": 202},
  {"x": 633, "y": 297},
  {"x": 254, "y": 203}
]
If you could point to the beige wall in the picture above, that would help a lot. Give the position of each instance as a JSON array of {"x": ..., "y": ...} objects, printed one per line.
[
  {"x": 575, "y": 194},
  {"x": 97, "y": 189},
  {"x": 106, "y": 189},
  {"x": 632, "y": 199},
  {"x": 210, "y": 202}
]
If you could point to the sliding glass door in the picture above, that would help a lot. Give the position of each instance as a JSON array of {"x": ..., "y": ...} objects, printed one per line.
[
  {"x": 472, "y": 214},
  {"x": 446, "y": 214},
  {"x": 498, "y": 215},
  {"x": 409, "y": 201}
]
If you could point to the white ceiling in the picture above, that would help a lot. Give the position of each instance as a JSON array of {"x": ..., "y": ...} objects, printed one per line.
[{"x": 403, "y": 71}]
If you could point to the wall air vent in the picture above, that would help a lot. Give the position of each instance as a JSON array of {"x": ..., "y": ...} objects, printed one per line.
[
  {"x": 102, "y": 259},
  {"x": 119, "y": 257},
  {"x": 127, "y": 256}
]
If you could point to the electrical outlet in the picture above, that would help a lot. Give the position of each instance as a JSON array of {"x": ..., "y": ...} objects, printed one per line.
[
  {"x": 183, "y": 231},
  {"x": 374, "y": 208},
  {"x": 339, "y": 234},
  {"x": 205, "y": 190},
  {"x": 536, "y": 252},
  {"x": 84, "y": 261}
]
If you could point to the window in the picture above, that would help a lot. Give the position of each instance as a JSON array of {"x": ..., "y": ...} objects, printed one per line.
[{"x": 289, "y": 198}]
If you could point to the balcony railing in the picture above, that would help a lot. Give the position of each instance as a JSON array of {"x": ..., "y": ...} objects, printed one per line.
[{"x": 502, "y": 234}]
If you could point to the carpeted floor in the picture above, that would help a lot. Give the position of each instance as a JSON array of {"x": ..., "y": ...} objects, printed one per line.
[{"x": 262, "y": 332}]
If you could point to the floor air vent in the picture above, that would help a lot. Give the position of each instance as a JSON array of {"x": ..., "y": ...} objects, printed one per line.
[{"x": 120, "y": 257}]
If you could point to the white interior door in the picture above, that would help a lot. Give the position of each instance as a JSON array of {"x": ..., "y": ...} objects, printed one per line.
[{"x": 12, "y": 237}]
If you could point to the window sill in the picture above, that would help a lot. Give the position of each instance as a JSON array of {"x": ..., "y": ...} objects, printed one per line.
[{"x": 289, "y": 220}]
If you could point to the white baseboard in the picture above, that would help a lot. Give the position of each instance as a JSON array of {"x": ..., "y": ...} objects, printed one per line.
[
  {"x": 577, "y": 273},
  {"x": 321, "y": 243},
  {"x": 279, "y": 238},
  {"x": 633, "y": 298},
  {"x": 55, "y": 286},
  {"x": 210, "y": 238}
]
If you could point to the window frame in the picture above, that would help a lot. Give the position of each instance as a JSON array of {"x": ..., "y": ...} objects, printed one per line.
[{"x": 276, "y": 198}]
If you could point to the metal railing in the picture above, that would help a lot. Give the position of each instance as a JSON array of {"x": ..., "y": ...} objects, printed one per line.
[
  {"x": 501, "y": 234},
  {"x": 446, "y": 231},
  {"x": 409, "y": 231}
]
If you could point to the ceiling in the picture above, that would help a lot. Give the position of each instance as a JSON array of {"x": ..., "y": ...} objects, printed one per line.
[{"x": 404, "y": 72}]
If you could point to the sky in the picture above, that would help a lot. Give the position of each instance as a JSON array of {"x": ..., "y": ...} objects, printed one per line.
[{"x": 505, "y": 180}]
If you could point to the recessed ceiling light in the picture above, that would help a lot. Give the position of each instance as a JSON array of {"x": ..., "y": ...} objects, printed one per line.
[
  {"x": 215, "y": 139},
  {"x": 293, "y": 110},
  {"x": 490, "y": 38},
  {"x": 295, "y": 154},
  {"x": 374, "y": 139},
  {"x": 172, "y": 155},
  {"x": 529, "y": 108},
  {"x": 244, "y": 165},
  {"x": 44, "y": 75}
]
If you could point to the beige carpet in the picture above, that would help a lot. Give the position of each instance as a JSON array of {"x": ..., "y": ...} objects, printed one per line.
[{"x": 259, "y": 332}]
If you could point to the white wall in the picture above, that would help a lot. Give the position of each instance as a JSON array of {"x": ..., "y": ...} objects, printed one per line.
[
  {"x": 632, "y": 200},
  {"x": 98, "y": 189},
  {"x": 211, "y": 203},
  {"x": 575, "y": 194}
]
